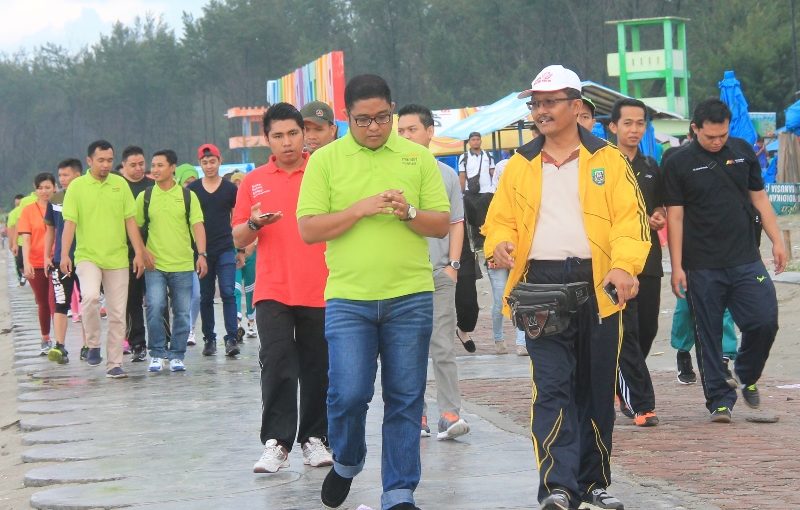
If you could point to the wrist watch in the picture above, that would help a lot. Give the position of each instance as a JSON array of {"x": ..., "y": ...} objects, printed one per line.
[
  {"x": 455, "y": 264},
  {"x": 239, "y": 250},
  {"x": 203, "y": 254},
  {"x": 252, "y": 225},
  {"x": 411, "y": 214}
]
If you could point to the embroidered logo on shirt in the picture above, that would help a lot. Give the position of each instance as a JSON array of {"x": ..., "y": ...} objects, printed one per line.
[
  {"x": 696, "y": 169},
  {"x": 734, "y": 161},
  {"x": 599, "y": 176},
  {"x": 761, "y": 278}
]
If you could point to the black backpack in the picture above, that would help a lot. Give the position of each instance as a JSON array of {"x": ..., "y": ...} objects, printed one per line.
[{"x": 187, "y": 202}]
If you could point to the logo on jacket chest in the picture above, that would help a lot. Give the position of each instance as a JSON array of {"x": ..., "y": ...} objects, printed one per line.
[{"x": 599, "y": 176}]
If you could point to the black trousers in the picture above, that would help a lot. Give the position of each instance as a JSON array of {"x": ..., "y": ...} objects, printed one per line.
[
  {"x": 18, "y": 263},
  {"x": 749, "y": 293},
  {"x": 293, "y": 350},
  {"x": 640, "y": 325},
  {"x": 573, "y": 377},
  {"x": 135, "y": 313}
]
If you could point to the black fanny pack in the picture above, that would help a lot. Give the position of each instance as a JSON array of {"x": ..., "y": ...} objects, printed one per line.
[{"x": 545, "y": 309}]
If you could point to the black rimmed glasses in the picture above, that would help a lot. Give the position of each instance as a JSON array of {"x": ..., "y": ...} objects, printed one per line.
[
  {"x": 547, "y": 103},
  {"x": 381, "y": 118}
]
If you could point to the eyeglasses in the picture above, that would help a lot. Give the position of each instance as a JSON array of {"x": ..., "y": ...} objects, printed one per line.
[
  {"x": 547, "y": 103},
  {"x": 383, "y": 118}
]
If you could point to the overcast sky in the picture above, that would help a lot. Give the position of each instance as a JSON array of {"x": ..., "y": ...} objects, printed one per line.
[{"x": 77, "y": 23}]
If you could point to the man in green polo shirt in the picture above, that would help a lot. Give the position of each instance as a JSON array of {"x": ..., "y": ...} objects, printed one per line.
[
  {"x": 374, "y": 197},
  {"x": 99, "y": 210},
  {"x": 165, "y": 220}
]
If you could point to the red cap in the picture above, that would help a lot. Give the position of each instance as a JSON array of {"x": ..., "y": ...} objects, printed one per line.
[{"x": 208, "y": 149}]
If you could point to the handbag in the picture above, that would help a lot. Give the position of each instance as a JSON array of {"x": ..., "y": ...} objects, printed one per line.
[{"x": 545, "y": 309}]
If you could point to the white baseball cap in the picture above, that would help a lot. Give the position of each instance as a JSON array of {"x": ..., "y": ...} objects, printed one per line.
[{"x": 552, "y": 78}]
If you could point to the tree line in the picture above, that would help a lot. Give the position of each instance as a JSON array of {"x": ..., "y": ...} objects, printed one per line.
[{"x": 145, "y": 84}]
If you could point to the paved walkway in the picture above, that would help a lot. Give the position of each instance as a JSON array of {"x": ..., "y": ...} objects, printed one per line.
[{"x": 188, "y": 441}]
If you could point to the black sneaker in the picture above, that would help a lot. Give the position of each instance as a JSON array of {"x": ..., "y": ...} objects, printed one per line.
[
  {"x": 557, "y": 500},
  {"x": 686, "y": 373},
  {"x": 231, "y": 348},
  {"x": 601, "y": 499},
  {"x": 84, "y": 353},
  {"x": 139, "y": 354},
  {"x": 209, "y": 347},
  {"x": 721, "y": 415},
  {"x": 335, "y": 489},
  {"x": 751, "y": 396},
  {"x": 728, "y": 374}
]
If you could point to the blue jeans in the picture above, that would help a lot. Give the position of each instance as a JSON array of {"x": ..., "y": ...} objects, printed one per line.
[
  {"x": 195, "y": 306},
  {"x": 179, "y": 285},
  {"x": 222, "y": 268},
  {"x": 498, "y": 278},
  {"x": 399, "y": 331}
]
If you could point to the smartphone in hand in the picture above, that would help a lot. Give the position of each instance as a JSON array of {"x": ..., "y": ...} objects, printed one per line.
[
  {"x": 266, "y": 215},
  {"x": 611, "y": 292}
]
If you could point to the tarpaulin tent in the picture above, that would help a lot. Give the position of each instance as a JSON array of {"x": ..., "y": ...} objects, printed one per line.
[{"x": 730, "y": 92}]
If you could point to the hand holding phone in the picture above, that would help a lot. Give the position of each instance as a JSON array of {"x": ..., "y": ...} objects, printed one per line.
[
  {"x": 611, "y": 292},
  {"x": 266, "y": 215}
]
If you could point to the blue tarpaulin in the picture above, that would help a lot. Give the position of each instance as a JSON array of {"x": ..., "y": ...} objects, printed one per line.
[
  {"x": 793, "y": 118},
  {"x": 493, "y": 118},
  {"x": 730, "y": 92},
  {"x": 649, "y": 145}
]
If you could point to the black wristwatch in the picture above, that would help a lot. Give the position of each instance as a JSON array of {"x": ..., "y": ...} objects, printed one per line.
[
  {"x": 455, "y": 264},
  {"x": 239, "y": 250},
  {"x": 252, "y": 225},
  {"x": 203, "y": 254}
]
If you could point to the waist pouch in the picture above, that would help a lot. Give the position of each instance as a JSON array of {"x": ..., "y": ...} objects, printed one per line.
[{"x": 545, "y": 309}]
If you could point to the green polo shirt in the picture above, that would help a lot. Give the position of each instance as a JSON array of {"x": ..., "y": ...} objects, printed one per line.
[
  {"x": 99, "y": 210},
  {"x": 380, "y": 257},
  {"x": 13, "y": 216},
  {"x": 168, "y": 236}
]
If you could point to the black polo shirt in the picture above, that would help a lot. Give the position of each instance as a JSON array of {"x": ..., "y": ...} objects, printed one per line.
[
  {"x": 717, "y": 227},
  {"x": 648, "y": 176}
]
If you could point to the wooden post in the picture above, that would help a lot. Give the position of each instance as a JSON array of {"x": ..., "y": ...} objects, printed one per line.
[{"x": 787, "y": 241}]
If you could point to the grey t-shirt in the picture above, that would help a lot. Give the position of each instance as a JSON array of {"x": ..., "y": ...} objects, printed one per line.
[{"x": 439, "y": 249}]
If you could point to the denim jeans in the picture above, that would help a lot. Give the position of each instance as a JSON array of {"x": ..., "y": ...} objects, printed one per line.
[
  {"x": 179, "y": 285},
  {"x": 398, "y": 331},
  {"x": 498, "y": 279},
  {"x": 222, "y": 268},
  {"x": 194, "y": 308}
]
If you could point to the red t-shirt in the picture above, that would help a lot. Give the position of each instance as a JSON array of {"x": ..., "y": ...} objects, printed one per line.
[
  {"x": 287, "y": 269},
  {"x": 31, "y": 221}
]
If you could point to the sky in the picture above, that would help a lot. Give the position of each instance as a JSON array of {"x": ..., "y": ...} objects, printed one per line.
[{"x": 78, "y": 23}]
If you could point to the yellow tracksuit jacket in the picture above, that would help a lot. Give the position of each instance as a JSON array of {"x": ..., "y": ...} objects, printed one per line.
[{"x": 614, "y": 215}]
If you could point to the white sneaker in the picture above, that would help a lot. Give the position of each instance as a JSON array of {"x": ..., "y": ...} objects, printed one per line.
[
  {"x": 251, "y": 328},
  {"x": 156, "y": 365},
  {"x": 316, "y": 454},
  {"x": 500, "y": 348},
  {"x": 272, "y": 459},
  {"x": 191, "y": 340},
  {"x": 176, "y": 365},
  {"x": 522, "y": 350}
]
